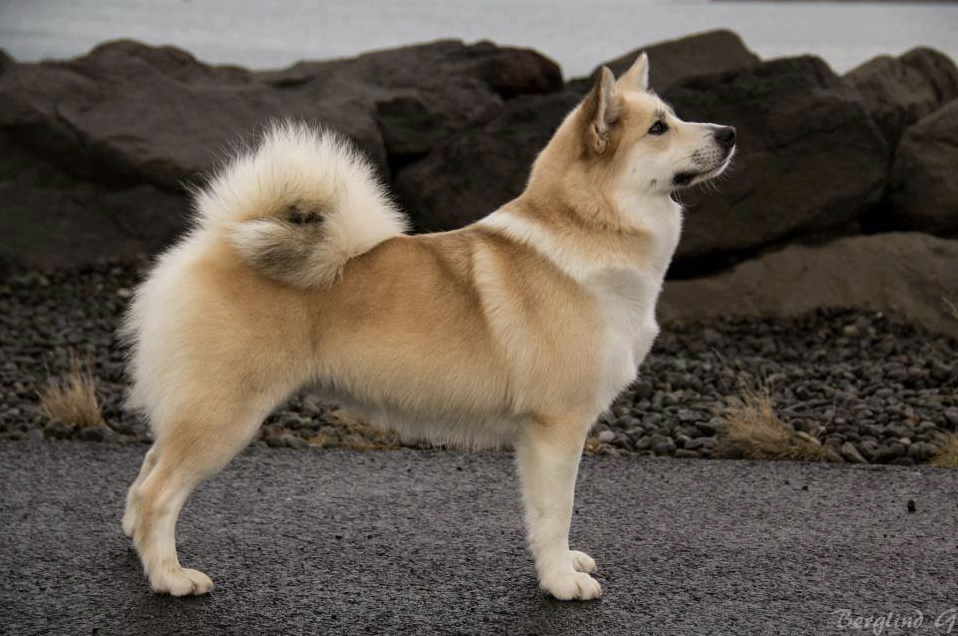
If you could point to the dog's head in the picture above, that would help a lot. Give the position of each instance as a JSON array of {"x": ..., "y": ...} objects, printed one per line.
[{"x": 635, "y": 138}]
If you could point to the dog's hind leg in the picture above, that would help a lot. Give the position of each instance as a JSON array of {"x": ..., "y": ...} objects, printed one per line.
[
  {"x": 188, "y": 450},
  {"x": 548, "y": 455},
  {"x": 133, "y": 494}
]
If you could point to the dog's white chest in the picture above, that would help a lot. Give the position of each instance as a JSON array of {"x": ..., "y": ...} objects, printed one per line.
[{"x": 626, "y": 298}]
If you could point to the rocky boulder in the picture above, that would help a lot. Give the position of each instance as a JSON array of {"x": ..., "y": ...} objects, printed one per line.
[
  {"x": 906, "y": 274},
  {"x": 41, "y": 228},
  {"x": 923, "y": 190},
  {"x": 483, "y": 167},
  {"x": 132, "y": 112},
  {"x": 421, "y": 95},
  {"x": 127, "y": 120},
  {"x": 809, "y": 160},
  {"x": 898, "y": 91},
  {"x": 49, "y": 219},
  {"x": 673, "y": 61},
  {"x": 127, "y": 113}
]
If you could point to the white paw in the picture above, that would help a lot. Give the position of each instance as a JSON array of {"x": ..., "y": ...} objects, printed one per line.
[
  {"x": 180, "y": 581},
  {"x": 582, "y": 562},
  {"x": 571, "y": 585}
]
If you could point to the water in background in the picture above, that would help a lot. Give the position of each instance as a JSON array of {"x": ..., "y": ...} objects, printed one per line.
[{"x": 576, "y": 33}]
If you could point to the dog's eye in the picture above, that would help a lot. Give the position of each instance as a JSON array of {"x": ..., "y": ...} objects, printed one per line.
[{"x": 658, "y": 128}]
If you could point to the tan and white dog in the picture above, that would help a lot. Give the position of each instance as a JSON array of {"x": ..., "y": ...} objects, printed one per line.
[{"x": 517, "y": 330}]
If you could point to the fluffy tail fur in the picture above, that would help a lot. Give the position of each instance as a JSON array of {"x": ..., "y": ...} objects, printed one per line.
[{"x": 300, "y": 205}]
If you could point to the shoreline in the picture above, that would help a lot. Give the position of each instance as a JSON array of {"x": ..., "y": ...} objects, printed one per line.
[{"x": 567, "y": 34}]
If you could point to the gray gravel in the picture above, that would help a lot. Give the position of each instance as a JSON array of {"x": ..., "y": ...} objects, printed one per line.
[
  {"x": 870, "y": 388},
  {"x": 329, "y": 542}
]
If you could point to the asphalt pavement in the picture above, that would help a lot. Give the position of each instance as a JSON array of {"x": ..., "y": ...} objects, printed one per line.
[{"x": 431, "y": 542}]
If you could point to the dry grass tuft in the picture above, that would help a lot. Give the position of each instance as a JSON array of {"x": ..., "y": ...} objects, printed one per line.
[
  {"x": 72, "y": 398},
  {"x": 754, "y": 431},
  {"x": 947, "y": 455},
  {"x": 355, "y": 434},
  {"x": 593, "y": 446}
]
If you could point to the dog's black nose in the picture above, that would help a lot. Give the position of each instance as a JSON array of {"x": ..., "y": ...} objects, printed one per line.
[{"x": 726, "y": 136}]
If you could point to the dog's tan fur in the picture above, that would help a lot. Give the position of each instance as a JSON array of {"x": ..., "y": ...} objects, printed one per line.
[{"x": 516, "y": 330}]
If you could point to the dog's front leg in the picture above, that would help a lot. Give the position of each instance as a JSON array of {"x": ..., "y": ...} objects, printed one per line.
[{"x": 548, "y": 460}]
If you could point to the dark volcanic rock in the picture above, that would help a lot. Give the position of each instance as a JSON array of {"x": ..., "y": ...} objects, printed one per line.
[
  {"x": 905, "y": 274},
  {"x": 676, "y": 60},
  {"x": 51, "y": 219},
  {"x": 483, "y": 167},
  {"x": 105, "y": 128},
  {"x": 421, "y": 95},
  {"x": 924, "y": 191},
  {"x": 810, "y": 157},
  {"x": 898, "y": 91},
  {"x": 128, "y": 111},
  {"x": 42, "y": 227}
]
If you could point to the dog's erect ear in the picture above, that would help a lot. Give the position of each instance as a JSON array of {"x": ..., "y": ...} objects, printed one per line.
[
  {"x": 637, "y": 77},
  {"x": 602, "y": 111}
]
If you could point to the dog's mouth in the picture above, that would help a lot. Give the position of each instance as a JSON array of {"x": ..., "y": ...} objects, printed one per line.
[{"x": 685, "y": 179}]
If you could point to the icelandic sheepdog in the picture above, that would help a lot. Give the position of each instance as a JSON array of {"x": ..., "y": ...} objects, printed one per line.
[{"x": 518, "y": 330}]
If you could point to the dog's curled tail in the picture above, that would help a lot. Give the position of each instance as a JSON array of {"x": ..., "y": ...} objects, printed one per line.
[{"x": 299, "y": 205}]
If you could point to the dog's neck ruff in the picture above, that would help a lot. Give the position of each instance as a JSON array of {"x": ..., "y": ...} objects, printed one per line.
[
  {"x": 537, "y": 236},
  {"x": 662, "y": 223}
]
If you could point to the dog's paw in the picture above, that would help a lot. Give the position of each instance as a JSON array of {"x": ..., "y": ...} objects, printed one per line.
[
  {"x": 572, "y": 586},
  {"x": 180, "y": 581},
  {"x": 582, "y": 562}
]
